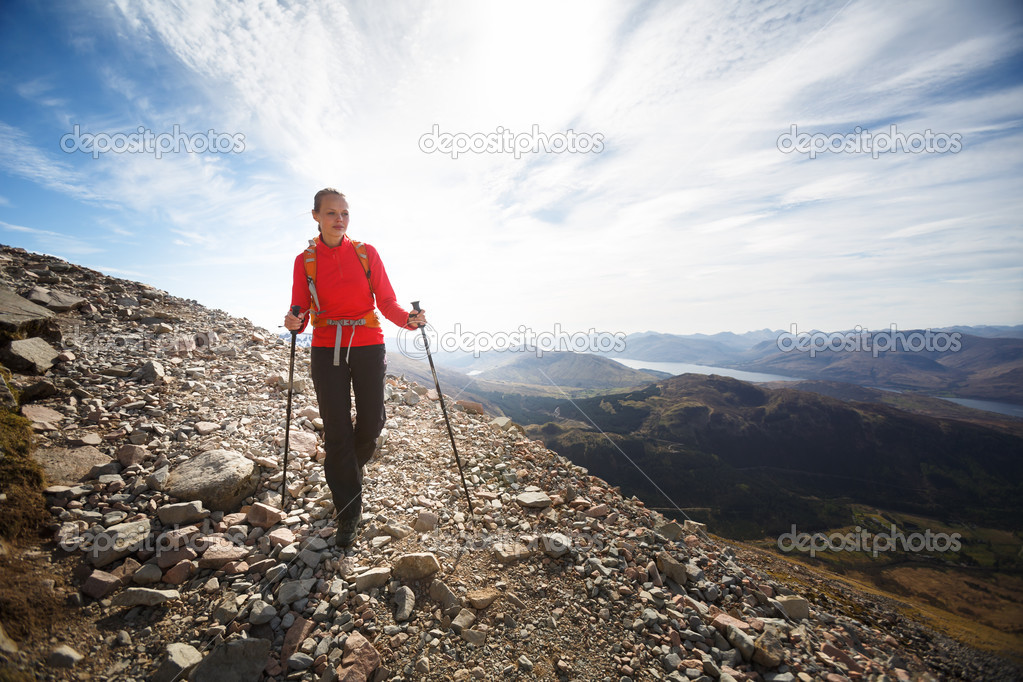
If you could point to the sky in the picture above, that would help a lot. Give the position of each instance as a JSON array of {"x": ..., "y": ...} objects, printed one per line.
[{"x": 549, "y": 166}]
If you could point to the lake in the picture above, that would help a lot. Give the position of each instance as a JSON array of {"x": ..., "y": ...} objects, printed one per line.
[
  {"x": 988, "y": 406},
  {"x": 687, "y": 368}
]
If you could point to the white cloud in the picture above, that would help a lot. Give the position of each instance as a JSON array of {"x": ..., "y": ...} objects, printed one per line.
[{"x": 689, "y": 220}]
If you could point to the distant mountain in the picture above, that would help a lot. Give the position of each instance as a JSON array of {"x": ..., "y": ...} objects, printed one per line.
[
  {"x": 701, "y": 349},
  {"x": 575, "y": 370},
  {"x": 973, "y": 367},
  {"x": 989, "y": 331},
  {"x": 758, "y": 460}
]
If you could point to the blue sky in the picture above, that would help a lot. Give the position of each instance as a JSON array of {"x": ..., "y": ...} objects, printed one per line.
[{"x": 682, "y": 215}]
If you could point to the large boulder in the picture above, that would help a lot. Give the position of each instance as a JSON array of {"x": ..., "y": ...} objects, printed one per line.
[
  {"x": 68, "y": 466},
  {"x": 29, "y": 355},
  {"x": 221, "y": 479},
  {"x": 54, "y": 300},
  {"x": 21, "y": 317}
]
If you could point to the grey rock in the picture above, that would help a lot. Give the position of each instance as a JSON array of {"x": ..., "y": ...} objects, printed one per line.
[
  {"x": 415, "y": 566},
  {"x": 69, "y": 465},
  {"x": 405, "y": 601},
  {"x": 57, "y": 301},
  {"x": 741, "y": 641},
  {"x": 117, "y": 542},
  {"x": 147, "y": 575},
  {"x": 374, "y": 577},
  {"x": 179, "y": 660},
  {"x": 152, "y": 372},
  {"x": 221, "y": 479},
  {"x": 293, "y": 590},
  {"x": 20, "y": 316},
  {"x": 261, "y": 612},
  {"x": 300, "y": 661},
  {"x": 442, "y": 594},
  {"x": 64, "y": 657},
  {"x": 534, "y": 500},
  {"x": 240, "y": 660},
  {"x": 29, "y": 355},
  {"x": 182, "y": 513},
  {"x": 143, "y": 596},
  {"x": 158, "y": 479},
  {"x": 464, "y": 620},
  {"x": 555, "y": 544}
]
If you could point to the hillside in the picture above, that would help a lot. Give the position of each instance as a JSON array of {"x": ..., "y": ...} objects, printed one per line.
[
  {"x": 760, "y": 459},
  {"x": 908, "y": 401},
  {"x": 556, "y": 575}
]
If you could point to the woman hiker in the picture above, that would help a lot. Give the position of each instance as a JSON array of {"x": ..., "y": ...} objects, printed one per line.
[{"x": 337, "y": 283}]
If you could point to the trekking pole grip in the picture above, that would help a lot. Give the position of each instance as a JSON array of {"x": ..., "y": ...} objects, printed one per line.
[{"x": 295, "y": 310}]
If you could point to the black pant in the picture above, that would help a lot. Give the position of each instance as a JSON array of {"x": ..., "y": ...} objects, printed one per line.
[{"x": 349, "y": 447}]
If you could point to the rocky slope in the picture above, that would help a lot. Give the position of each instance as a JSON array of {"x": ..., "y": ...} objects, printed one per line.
[{"x": 160, "y": 425}]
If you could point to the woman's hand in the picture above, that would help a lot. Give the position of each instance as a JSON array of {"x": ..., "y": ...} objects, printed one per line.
[
  {"x": 292, "y": 323},
  {"x": 417, "y": 318}
]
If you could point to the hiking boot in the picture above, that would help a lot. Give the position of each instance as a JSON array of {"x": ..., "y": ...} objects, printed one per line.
[{"x": 347, "y": 531}]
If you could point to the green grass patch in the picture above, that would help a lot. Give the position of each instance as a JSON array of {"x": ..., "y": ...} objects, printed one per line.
[{"x": 23, "y": 512}]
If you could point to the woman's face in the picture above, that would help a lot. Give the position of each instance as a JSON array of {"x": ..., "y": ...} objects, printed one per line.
[{"x": 332, "y": 219}]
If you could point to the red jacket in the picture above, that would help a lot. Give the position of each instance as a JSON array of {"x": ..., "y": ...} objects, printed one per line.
[{"x": 344, "y": 293}]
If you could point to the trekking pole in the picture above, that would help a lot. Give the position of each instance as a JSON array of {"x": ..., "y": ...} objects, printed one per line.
[
  {"x": 295, "y": 310},
  {"x": 451, "y": 434}
]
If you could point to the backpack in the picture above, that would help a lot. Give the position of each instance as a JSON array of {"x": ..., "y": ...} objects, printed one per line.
[{"x": 310, "y": 276}]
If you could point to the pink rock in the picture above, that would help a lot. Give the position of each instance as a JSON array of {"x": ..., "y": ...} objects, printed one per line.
[
  {"x": 219, "y": 555},
  {"x": 234, "y": 519},
  {"x": 296, "y": 634},
  {"x": 303, "y": 442},
  {"x": 206, "y": 428},
  {"x": 264, "y": 516},
  {"x": 125, "y": 571},
  {"x": 172, "y": 557},
  {"x": 260, "y": 567},
  {"x": 767, "y": 590},
  {"x": 360, "y": 659},
  {"x": 99, "y": 584},
  {"x": 723, "y": 620},
  {"x": 131, "y": 454},
  {"x": 179, "y": 573},
  {"x": 598, "y": 511},
  {"x": 281, "y": 536},
  {"x": 236, "y": 568}
]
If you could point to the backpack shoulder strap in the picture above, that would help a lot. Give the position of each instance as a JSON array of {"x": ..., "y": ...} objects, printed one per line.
[
  {"x": 310, "y": 276},
  {"x": 360, "y": 248}
]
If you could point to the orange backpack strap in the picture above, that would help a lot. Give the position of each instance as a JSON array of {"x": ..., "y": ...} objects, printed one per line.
[
  {"x": 360, "y": 248},
  {"x": 310, "y": 277}
]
